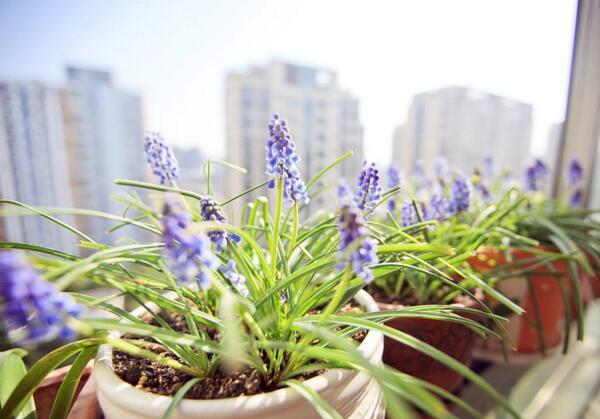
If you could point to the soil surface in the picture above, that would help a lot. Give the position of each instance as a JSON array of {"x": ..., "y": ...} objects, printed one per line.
[{"x": 160, "y": 379}]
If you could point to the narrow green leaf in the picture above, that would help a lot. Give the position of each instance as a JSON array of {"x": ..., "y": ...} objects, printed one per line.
[
  {"x": 321, "y": 406},
  {"x": 66, "y": 392},
  {"x": 12, "y": 370},
  {"x": 30, "y": 382},
  {"x": 179, "y": 396}
]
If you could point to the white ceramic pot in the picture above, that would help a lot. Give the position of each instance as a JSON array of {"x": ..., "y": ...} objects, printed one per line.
[{"x": 354, "y": 395}]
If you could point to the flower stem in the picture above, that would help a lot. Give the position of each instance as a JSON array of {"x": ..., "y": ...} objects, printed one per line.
[{"x": 276, "y": 223}]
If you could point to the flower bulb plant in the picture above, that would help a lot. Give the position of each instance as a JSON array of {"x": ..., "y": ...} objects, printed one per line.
[
  {"x": 268, "y": 316},
  {"x": 555, "y": 263}
]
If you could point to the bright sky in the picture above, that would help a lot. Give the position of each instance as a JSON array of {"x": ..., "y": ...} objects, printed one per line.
[{"x": 176, "y": 53}]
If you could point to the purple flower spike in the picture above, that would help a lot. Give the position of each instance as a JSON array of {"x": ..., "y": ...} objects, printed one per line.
[
  {"x": 33, "y": 311},
  {"x": 281, "y": 159},
  {"x": 394, "y": 180},
  {"x": 369, "y": 187},
  {"x": 237, "y": 280},
  {"x": 357, "y": 248},
  {"x": 408, "y": 214},
  {"x": 460, "y": 194},
  {"x": 211, "y": 211},
  {"x": 576, "y": 198},
  {"x": 188, "y": 255},
  {"x": 535, "y": 175},
  {"x": 574, "y": 173},
  {"x": 439, "y": 208},
  {"x": 161, "y": 159}
]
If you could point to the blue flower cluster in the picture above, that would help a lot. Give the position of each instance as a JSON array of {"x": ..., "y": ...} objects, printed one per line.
[
  {"x": 574, "y": 176},
  {"x": 188, "y": 254},
  {"x": 369, "y": 187},
  {"x": 161, "y": 159},
  {"x": 236, "y": 279},
  {"x": 394, "y": 179},
  {"x": 211, "y": 211},
  {"x": 281, "y": 159},
  {"x": 408, "y": 214},
  {"x": 535, "y": 175},
  {"x": 439, "y": 208},
  {"x": 460, "y": 194},
  {"x": 357, "y": 248},
  {"x": 32, "y": 309},
  {"x": 574, "y": 173}
]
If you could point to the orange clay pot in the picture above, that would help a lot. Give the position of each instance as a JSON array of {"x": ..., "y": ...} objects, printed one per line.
[
  {"x": 85, "y": 405},
  {"x": 542, "y": 289},
  {"x": 451, "y": 338}
]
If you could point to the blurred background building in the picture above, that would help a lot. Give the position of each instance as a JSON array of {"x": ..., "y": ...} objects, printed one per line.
[
  {"x": 34, "y": 162},
  {"x": 464, "y": 126},
  {"x": 323, "y": 118},
  {"x": 63, "y": 147},
  {"x": 104, "y": 142}
]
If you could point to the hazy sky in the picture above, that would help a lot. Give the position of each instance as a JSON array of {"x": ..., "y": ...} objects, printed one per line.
[{"x": 176, "y": 53}]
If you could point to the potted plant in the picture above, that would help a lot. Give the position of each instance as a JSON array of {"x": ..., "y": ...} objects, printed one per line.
[
  {"x": 437, "y": 213},
  {"x": 266, "y": 319},
  {"x": 551, "y": 276}
]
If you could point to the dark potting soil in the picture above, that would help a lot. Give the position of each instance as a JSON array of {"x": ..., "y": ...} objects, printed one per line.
[
  {"x": 381, "y": 296},
  {"x": 161, "y": 379}
]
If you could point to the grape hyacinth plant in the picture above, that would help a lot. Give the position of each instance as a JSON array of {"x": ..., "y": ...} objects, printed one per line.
[
  {"x": 273, "y": 298},
  {"x": 32, "y": 309},
  {"x": 357, "y": 248},
  {"x": 368, "y": 190},
  {"x": 574, "y": 176},
  {"x": 460, "y": 194},
  {"x": 281, "y": 159},
  {"x": 211, "y": 211},
  {"x": 161, "y": 159}
]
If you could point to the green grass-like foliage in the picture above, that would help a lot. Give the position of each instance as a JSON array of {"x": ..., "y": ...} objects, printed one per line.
[{"x": 280, "y": 255}]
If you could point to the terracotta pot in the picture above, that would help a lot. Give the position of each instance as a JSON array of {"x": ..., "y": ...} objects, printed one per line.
[
  {"x": 541, "y": 288},
  {"x": 354, "y": 395},
  {"x": 85, "y": 405},
  {"x": 451, "y": 338}
]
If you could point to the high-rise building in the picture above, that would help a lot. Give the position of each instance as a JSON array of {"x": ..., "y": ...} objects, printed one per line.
[
  {"x": 323, "y": 120},
  {"x": 104, "y": 141},
  {"x": 33, "y": 165},
  {"x": 464, "y": 126}
]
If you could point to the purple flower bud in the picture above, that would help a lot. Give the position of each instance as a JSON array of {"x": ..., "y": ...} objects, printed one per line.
[
  {"x": 394, "y": 180},
  {"x": 33, "y": 311},
  {"x": 161, "y": 159},
  {"x": 460, "y": 194},
  {"x": 211, "y": 211},
  {"x": 281, "y": 160},
  {"x": 408, "y": 214},
  {"x": 357, "y": 249},
  {"x": 237, "y": 280},
  {"x": 439, "y": 208},
  {"x": 576, "y": 198},
  {"x": 535, "y": 175},
  {"x": 369, "y": 187},
  {"x": 188, "y": 255},
  {"x": 574, "y": 173}
]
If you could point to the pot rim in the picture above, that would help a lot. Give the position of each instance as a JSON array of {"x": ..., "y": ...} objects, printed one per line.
[
  {"x": 470, "y": 302},
  {"x": 132, "y": 398}
]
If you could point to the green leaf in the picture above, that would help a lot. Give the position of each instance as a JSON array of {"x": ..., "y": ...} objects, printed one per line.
[
  {"x": 429, "y": 350},
  {"x": 30, "y": 382},
  {"x": 66, "y": 392},
  {"x": 178, "y": 396},
  {"x": 321, "y": 406},
  {"x": 12, "y": 370}
]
